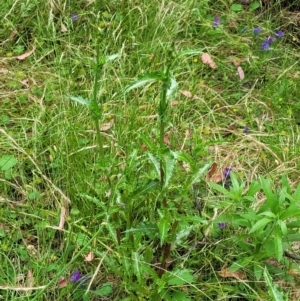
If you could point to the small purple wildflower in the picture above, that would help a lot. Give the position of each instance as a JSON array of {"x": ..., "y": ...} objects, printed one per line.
[
  {"x": 257, "y": 30},
  {"x": 279, "y": 34},
  {"x": 75, "y": 277},
  {"x": 246, "y": 129},
  {"x": 227, "y": 172},
  {"x": 265, "y": 45},
  {"x": 270, "y": 40},
  {"x": 74, "y": 17},
  {"x": 216, "y": 22},
  {"x": 222, "y": 225}
]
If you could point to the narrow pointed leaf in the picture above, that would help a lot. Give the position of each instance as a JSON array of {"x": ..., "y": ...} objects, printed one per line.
[
  {"x": 260, "y": 224},
  {"x": 80, "y": 100},
  {"x": 146, "y": 79}
]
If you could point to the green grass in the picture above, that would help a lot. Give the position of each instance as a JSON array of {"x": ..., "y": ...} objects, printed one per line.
[{"x": 149, "y": 242}]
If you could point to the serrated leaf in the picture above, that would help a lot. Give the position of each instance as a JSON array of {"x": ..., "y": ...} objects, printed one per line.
[
  {"x": 155, "y": 162},
  {"x": 169, "y": 168},
  {"x": 273, "y": 289},
  {"x": 195, "y": 177},
  {"x": 136, "y": 265},
  {"x": 143, "y": 80},
  {"x": 80, "y": 100},
  {"x": 7, "y": 162},
  {"x": 260, "y": 224},
  {"x": 172, "y": 89},
  {"x": 151, "y": 185}
]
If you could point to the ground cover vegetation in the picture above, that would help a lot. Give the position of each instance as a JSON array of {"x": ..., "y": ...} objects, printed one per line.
[{"x": 149, "y": 150}]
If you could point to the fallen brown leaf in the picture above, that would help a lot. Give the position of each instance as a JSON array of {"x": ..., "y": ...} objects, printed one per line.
[
  {"x": 107, "y": 126},
  {"x": 90, "y": 257},
  {"x": 212, "y": 176},
  {"x": 26, "y": 54},
  {"x": 225, "y": 273},
  {"x": 206, "y": 59},
  {"x": 63, "y": 28},
  {"x": 241, "y": 72},
  {"x": 63, "y": 216},
  {"x": 25, "y": 83},
  {"x": 187, "y": 94},
  {"x": 167, "y": 140},
  {"x": 29, "y": 280},
  {"x": 63, "y": 282}
]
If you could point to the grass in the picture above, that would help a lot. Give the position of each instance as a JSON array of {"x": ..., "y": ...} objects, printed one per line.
[{"x": 147, "y": 220}]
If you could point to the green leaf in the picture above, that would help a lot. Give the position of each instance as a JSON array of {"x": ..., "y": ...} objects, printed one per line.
[
  {"x": 254, "y": 5},
  {"x": 278, "y": 243},
  {"x": 172, "y": 89},
  {"x": 236, "y": 7},
  {"x": 143, "y": 80},
  {"x": 7, "y": 162},
  {"x": 254, "y": 188},
  {"x": 34, "y": 195},
  {"x": 291, "y": 237},
  {"x": 155, "y": 162},
  {"x": 104, "y": 290},
  {"x": 220, "y": 188},
  {"x": 293, "y": 224},
  {"x": 292, "y": 211},
  {"x": 136, "y": 266},
  {"x": 180, "y": 277},
  {"x": 259, "y": 224},
  {"x": 80, "y": 100},
  {"x": 268, "y": 213},
  {"x": 296, "y": 194},
  {"x": 194, "y": 178},
  {"x": 283, "y": 227},
  {"x": 240, "y": 263},
  {"x": 163, "y": 228},
  {"x": 169, "y": 167},
  {"x": 258, "y": 271},
  {"x": 266, "y": 186},
  {"x": 151, "y": 185},
  {"x": 273, "y": 289}
]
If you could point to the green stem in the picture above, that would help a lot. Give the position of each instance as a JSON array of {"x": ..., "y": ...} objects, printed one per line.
[{"x": 96, "y": 108}]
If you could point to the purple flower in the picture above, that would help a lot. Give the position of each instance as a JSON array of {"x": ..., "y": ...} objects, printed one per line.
[
  {"x": 227, "y": 172},
  {"x": 74, "y": 17},
  {"x": 270, "y": 40},
  {"x": 257, "y": 30},
  {"x": 216, "y": 22},
  {"x": 75, "y": 277},
  {"x": 265, "y": 45},
  {"x": 246, "y": 129},
  {"x": 222, "y": 225},
  {"x": 279, "y": 34}
]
